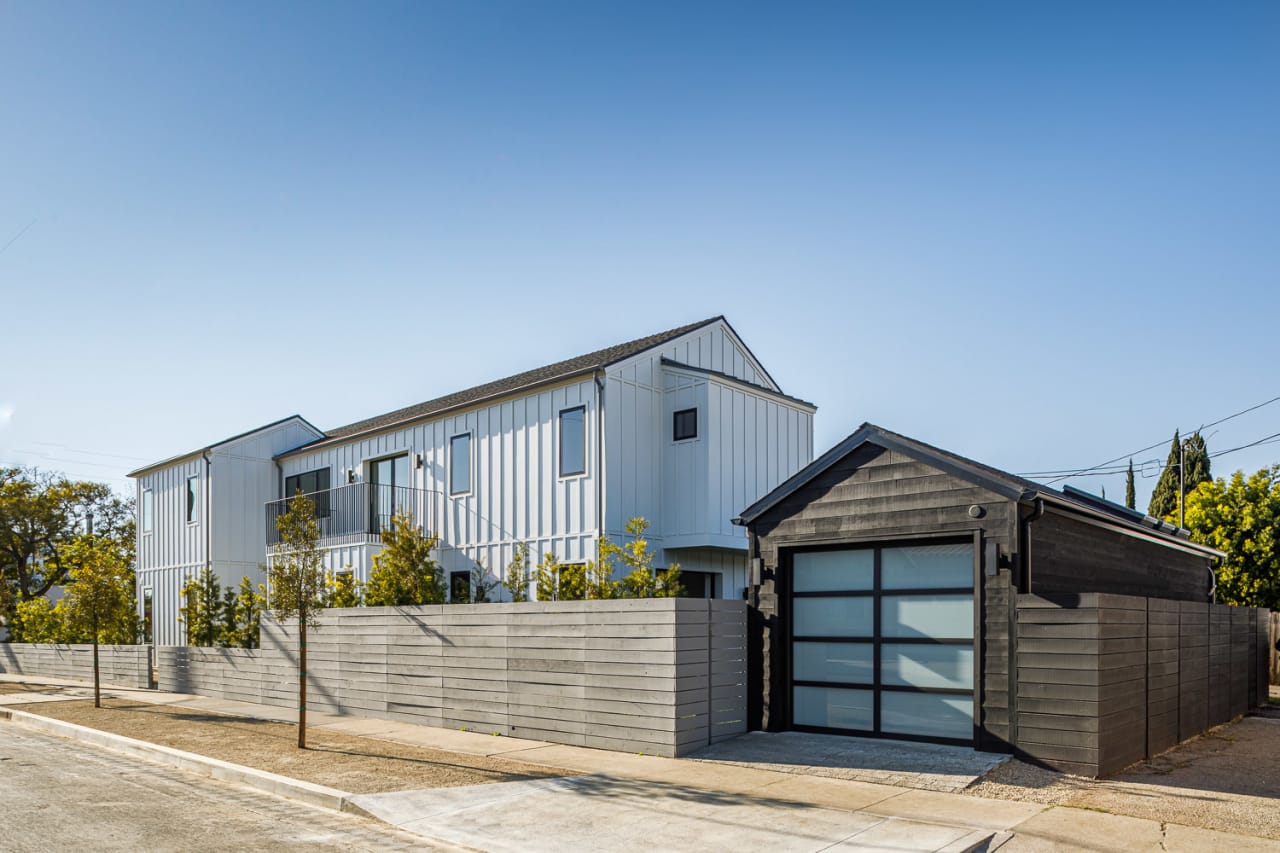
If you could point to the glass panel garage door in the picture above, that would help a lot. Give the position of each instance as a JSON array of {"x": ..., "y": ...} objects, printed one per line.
[{"x": 882, "y": 641}]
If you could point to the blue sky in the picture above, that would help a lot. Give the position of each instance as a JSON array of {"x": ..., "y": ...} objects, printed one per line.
[{"x": 1040, "y": 235}]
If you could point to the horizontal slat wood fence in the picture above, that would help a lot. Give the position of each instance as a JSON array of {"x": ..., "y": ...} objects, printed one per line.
[
  {"x": 120, "y": 666},
  {"x": 660, "y": 676},
  {"x": 1107, "y": 680}
]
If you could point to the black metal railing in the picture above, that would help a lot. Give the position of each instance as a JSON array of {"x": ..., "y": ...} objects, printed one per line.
[{"x": 360, "y": 509}]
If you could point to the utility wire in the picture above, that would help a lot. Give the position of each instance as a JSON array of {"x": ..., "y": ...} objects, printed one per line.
[
  {"x": 16, "y": 236},
  {"x": 1083, "y": 471}
]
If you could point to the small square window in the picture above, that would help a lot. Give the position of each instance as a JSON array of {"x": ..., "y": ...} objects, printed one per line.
[{"x": 685, "y": 425}]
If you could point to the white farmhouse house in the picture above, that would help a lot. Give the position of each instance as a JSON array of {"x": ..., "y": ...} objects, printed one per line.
[{"x": 683, "y": 428}]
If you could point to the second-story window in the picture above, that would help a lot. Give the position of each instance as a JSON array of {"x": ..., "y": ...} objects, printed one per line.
[
  {"x": 314, "y": 483},
  {"x": 685, "y": 425},
  {"x": 193, "y": 499},
  {"x": 460, "y": 464},
  {"x": 573, "y": 441},
  {"x": 148, "y": 511}
]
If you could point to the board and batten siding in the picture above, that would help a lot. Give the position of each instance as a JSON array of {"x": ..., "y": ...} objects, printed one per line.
[
  {"x": 748, "y": 442},
  {"x": 517, "y": 493},
  {"x": 240, "y": 479}
]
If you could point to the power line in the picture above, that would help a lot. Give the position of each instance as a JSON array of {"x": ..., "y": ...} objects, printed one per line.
[
  {"x": 16, "y": 236},
  {"x": 70, "y": 449},
  {"x": 1083, "y": 471}
]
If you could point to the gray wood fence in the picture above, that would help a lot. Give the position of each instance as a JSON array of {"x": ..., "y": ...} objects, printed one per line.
[
  {"x": 120, "y": 666},
  {"x": 660, "y": 676},
  {"x": 1107, "y": 680}
]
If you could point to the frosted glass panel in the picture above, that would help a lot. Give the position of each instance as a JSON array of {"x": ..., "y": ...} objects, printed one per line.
[
  {"x": 926, "y": 666},
  {"x": 833, "y": 617},
  {"x": 927, "y": 567},
  {"x": 828, "y": 571},
  {"x": 843, "y": 662},
  {"x": 929, "y": 714},
  {"x": 832, "y": 707},
  {"x": 947, "y": 616}
]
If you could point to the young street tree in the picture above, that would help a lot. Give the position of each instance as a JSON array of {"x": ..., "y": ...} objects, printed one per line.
[
  {"x": 202, "y": 610},
  {"x": 296, "y": 586},
  {"x": 99, "y": 598}
]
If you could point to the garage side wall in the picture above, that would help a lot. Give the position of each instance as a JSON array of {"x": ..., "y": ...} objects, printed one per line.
[
  {"x": 1070, "y": 555},
  {"x": 877, "y": 495},
  {"x": 1107, "y": 680}
]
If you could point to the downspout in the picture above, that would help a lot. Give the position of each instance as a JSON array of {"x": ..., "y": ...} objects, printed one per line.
[
  {"x": 1022, "y": 583},
  {"x": 208, "y": 509},
  {"x": 599, "y": 459},
  {"x": 1024, "y": 543}
]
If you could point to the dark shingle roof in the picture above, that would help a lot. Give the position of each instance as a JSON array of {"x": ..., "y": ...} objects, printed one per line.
[
  {"x": 528, "y": 379},
  {"x": 1001, "y": 482}
]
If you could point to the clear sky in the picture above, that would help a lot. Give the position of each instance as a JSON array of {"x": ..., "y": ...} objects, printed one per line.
[{"x": 1042, "y": 235}]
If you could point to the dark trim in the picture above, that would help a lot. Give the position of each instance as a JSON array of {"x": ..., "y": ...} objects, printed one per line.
[
  {"x": 884, "y": 688},
  {"x": 877, "y": 687},
  {"x": 470, "y": 464},
  {"x": 716, "y": 374},
  {"x": 675, "y": 424},
  {"x": 860, "y": 593},
  {"x": 164, "y": 463},
  {"x": 952, "y": 741},
  {"x": 560, "y": 472},
  {"x": 979, "y": 637}
]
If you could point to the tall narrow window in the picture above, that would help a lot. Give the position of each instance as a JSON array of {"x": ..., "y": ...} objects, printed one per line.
[
  {"x": 685, "y": 425},
  {"x": 460, "y": 464},
  {"x": 573, "y": 441},
  {"x": 193, "y": 498},
  {"x": 148, "y": 511}
]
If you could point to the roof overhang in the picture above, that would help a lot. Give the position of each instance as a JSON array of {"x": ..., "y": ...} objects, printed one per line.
[
  {"x": 735, "y": 382},
  {"x": 200, "y": 451}
]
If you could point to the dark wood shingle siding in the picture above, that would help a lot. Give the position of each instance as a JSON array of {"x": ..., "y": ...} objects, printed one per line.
[
  {"x": 1071, "y": 556},
  {"x": 871, "y": 495}
]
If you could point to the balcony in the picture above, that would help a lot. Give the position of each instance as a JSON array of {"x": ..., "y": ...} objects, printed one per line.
[{"x": 360, "y": 511}]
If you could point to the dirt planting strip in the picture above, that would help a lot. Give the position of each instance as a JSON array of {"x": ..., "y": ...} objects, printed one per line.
[{"x": 354, "y": 764}]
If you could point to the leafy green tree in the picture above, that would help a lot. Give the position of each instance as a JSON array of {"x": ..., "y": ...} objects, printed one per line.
[
  {"x": 548, "y": 577},
  {"x": 40, "y": 515},
  {"x": 297, "y": 584},
  {"x": 404, "y": 572},
  {"x": 39, "y": 621},
  {"x": 203, "y": 610},
  {"x": 99, "y": 597},
  {"x": 249, "y": 603},
  {"x": 1241, "y": 517},
  {"x": 483, "y": 584},
  {"x": 1130, "y": 499},
  {"x": 641, "y": 579},
  {"x": 516, "y": 579},
  {"x": 344, "y": 589}
]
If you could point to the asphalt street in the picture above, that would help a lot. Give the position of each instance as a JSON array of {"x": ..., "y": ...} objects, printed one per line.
[{"x": 59, "y": 795}]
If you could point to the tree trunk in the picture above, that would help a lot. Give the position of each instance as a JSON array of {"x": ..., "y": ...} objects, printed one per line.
[
  {"x": 97, "y": 691},
  {"x": 302, "y": 681}
]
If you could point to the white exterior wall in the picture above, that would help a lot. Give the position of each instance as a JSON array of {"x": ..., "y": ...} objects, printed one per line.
[
  {"x": 516, "y": 492},
  {"x": 240, "y": 479},
  {"x": 748, "y": 442}
]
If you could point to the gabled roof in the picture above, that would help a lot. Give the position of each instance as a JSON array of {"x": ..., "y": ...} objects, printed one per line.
[
  {"x": 199, "y": 450},
  {"x": 1007, "y": 485},
  {"x": 558, "y": 371}
]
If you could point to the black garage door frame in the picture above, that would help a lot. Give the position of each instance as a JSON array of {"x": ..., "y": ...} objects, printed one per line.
[{"x": 788, "y": 596}]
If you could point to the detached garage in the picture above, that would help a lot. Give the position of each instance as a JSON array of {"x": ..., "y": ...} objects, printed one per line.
[{"x": 902, "y": 591}]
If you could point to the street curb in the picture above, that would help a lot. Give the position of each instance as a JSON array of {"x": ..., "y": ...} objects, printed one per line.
[{"x": 282, "y": 786}]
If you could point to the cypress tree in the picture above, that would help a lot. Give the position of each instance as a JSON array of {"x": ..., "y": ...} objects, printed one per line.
[
  {"x": 1197, "y": 462},
  {"x": 1130, "y": 500},
  {"x": 1164, "y": 498}
]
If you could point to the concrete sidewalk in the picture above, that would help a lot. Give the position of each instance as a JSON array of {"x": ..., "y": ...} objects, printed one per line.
[{"x": 636, "y": 802}]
